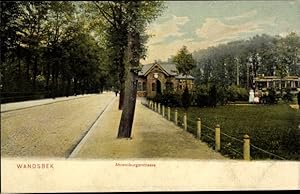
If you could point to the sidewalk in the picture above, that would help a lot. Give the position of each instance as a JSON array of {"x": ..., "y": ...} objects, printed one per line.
[{"x": 152, "y": 137}]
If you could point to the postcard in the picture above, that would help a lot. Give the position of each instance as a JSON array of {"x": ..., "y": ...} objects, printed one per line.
[{"x": 116, "y": 96}]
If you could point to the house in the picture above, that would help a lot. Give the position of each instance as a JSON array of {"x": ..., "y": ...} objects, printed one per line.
[
  {"x": 266, "y": 82},
  {"x": 157, "y": 78}
]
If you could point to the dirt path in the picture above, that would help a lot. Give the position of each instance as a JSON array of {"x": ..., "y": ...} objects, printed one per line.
[
  {"x": 294, "y": 106},
  {"x": 50, "y": 130},
  {"x": 152, "y": 137}
]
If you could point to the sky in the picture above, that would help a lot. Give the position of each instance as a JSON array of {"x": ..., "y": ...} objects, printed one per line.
[{"x": 200, "y": 24}]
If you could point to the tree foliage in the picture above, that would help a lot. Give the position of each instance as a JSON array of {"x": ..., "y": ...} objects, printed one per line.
[
  {"x": 48, "y": 48},
  {"x": 245, "y": 59},
  {"x": 184, "y": 61}
]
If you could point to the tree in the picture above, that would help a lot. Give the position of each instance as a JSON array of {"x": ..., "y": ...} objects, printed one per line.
[
  {"x": 49, "y": 45},
  {"x": 33, "y": 29},
  {"x": 10, "y": 12},
  {"x": 186, "y": 98},
  {"x": 298, "y": 99},
  {"x": 140, "y": 13},
  {"x": 184, "y": 61},
  {"x": 115, "y": 15},
  {"x": 261, "y": 54},
  {"x": 213, "y": 96},
  {"x": 59, "y": 19},
  {"x": 10, "y": 52}
]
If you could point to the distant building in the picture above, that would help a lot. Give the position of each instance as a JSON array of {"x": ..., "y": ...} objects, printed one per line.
[
  {"x": 266, "y": 82},
  {"x": 156, "y": 78}
]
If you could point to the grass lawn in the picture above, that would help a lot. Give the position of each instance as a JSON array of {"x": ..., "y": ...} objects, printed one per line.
[{"x": 273, "y": 128}]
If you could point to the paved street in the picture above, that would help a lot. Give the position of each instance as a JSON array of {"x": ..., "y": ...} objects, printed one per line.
[
  {"x": 61, "y": 130},
  {"x": 31, "y": 103},
  {"x": 50, "y": 130}
]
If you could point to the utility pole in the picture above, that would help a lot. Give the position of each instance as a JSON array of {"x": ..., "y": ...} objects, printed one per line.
[
  {"x": 247, "y": 75},
  {"x": 237, "y": 72}
]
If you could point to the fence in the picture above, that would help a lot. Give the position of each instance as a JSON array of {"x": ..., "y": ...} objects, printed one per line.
[{"x": 222, "y": 142}]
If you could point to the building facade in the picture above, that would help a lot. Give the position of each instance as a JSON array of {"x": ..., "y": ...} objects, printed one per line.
[
  {"x": 266, "y": 82},
  {"x": 157, "y": 78}
]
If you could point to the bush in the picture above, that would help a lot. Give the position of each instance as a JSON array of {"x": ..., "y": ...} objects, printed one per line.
[
  {"x": 288, "y": 96},
  {"x": 270, "y": 97},
  {"x": 168, "y": 99},
  {"x": 186, "y": 98},
  {"x": 201, "y": 98},
  {"x": 212, "y": 101},
  {"x": 222, "y": 95},
  {"x": 236, "y": 93}
]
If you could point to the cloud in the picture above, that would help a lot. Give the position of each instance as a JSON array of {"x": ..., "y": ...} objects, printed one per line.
[
  {"x": 242, "y": 16},
  {"x": 169, "y": 28},
  {"x": 215, "y": 30},
  {"x": 212, "y": 32},
  {"x": 165, "y": 50}
]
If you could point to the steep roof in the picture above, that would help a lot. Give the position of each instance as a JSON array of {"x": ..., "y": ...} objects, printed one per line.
[
  {"x": 145, "y": 68},
  {"x": 169, "y": 68}
]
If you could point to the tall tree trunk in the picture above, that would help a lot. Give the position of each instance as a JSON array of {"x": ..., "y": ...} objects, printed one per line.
[
  {"x": 122, "y": 77},
  {"x": 34, "y": 74},
  {"x": 127, "y": 117},
  {"x": 27, "y": 69},
  {"x": 53, "y": 81},
  {"x": 56, "y": 83},
  {"x": 68, "y": 87},
  {"x": 75, "y": 86},
  {"x": 20, "y": 77},
  {"x": 47, "y": 76},
  {"x": 121, "y": 97}
]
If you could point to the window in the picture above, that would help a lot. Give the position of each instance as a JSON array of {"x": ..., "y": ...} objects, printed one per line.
[
  {"x": 144, "y": 86},
  {"x": 139, "y": 88},
  {"x": 153, "y": 86}
]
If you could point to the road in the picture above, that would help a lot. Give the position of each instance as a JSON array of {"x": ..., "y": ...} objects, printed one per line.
[
  {"x": 40, "y": 129},
  {"x": 75, "y": 129}
]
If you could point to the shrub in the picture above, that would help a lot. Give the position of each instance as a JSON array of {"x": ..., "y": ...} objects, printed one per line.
[
  {"x": 288, "y": 96},
  {"x": 168, "y": 99},
  {"x": 236, "y": 93},
  {"x": 212, "y": 96},
  {"x": 270, "y": 97},
  {"x": 186, "y": 98},
  {"x": 222, "y": 95},
  {"x": 201, "y": 98}
]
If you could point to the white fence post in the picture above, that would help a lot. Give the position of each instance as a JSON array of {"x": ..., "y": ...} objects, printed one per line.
[
  {"x": 176, "y": 117},
  {"x": 246, "y": 147},
  {"x": 218, "y": 138},
  {"x": 185, "y": 121},
  {"x": 199, "y": 128}
]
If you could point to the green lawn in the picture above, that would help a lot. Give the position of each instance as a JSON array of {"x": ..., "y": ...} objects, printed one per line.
[{"x": 271, "y": 127}]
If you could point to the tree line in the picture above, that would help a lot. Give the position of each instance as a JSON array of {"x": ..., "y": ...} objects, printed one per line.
[
  {"x": 63, "y": 47},
  {"x": 226, "y": 72},
  {"x": 49, "y": 47},
  {"x": 238, "y": 62}
]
